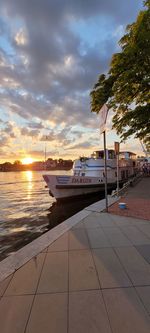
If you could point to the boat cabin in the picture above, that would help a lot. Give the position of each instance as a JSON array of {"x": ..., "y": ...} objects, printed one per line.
[
  {"x": 127, "y": 155},
  {"x": 99, "y": 154}
]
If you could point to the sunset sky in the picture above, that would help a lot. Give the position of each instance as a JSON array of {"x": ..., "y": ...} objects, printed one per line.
[{"x": 51, "y": 54}]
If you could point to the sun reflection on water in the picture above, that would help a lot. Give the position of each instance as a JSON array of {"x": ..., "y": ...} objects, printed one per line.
[
  {"x": 29, "y": 176},
  {"x": 19, "y": 229}
]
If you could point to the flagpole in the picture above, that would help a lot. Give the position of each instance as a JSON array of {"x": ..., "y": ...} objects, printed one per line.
[{"x": 105, "y": 160}]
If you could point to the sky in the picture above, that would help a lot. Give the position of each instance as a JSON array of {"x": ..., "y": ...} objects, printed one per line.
[{"x": 51, "y": 54}]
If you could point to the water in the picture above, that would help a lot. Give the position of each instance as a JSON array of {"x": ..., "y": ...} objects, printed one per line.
[
  {"x": 23, "y": 196},
  {"x": 27, "y": 210}
]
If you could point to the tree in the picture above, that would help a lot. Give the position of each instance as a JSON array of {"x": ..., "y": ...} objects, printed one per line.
[
  {"x": 17, "y": 162},
  {"x": 126, "y": 87}
]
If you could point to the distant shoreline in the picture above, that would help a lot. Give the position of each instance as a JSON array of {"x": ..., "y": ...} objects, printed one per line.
[
  {"x": 30, "y": 169},
  {"x": 49, "y": 164}
]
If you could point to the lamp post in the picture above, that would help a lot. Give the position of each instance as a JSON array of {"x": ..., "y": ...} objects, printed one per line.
[
  {"x": 117, "y": 155},
  {"x": 103, "y": 118},
  {"x": 105, "y": 161}
]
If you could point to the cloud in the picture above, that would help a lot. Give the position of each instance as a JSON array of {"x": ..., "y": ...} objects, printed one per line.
[
  {"x": 61, "y": 137},
  {"x": 52, "y": 53},
  {"x": 4, "y": 140},
  {"x": 82, "y": 145},
  {"x": 40, "y": 154},
  {"x": 8, "y": 133},
  {"x": 27, "y": 132},
  {"x": 20, "y": 38},
  {"x": 35, "y": 125}
]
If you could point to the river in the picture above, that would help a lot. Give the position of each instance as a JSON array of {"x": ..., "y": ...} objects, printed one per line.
[{"x": 27, "y": 210}]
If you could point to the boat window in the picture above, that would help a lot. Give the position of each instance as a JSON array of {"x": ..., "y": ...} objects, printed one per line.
[
  {"x": 100, "y": 154},
  {"x": 111, "y": 154}
]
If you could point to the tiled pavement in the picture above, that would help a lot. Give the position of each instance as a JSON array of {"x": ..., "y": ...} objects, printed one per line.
[
  {"x": 94, "y": 279},
  {"x": 137, "y": 201}
]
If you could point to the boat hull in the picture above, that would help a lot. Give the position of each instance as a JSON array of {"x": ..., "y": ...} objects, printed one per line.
[{"x": 63, "y": 187}]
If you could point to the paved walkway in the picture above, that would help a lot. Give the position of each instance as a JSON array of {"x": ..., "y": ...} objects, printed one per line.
[
  {"x": 95, "y": 278},
  {"x": 137, "y": 200}
]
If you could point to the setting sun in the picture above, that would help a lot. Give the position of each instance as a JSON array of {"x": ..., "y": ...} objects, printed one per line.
[{"x": 27, "y": 160}]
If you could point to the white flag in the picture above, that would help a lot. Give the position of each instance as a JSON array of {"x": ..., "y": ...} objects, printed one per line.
[{"x": 103, "y": 117}]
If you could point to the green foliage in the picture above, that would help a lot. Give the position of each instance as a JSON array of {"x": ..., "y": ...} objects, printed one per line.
[
  {"x": 126, "y": 87},
  {"x": 147, "y": 3}
]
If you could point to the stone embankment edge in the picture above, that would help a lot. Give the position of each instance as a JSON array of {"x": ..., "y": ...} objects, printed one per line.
[{"x": 16, "y": 260}]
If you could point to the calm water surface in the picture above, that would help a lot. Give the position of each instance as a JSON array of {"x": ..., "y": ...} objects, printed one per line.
[{"x": 27, "y": 210}]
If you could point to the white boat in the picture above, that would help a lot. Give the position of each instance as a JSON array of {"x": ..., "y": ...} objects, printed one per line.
[{"x": 88, "y": 175}]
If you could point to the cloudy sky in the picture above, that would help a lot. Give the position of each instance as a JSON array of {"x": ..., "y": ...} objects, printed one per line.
[{"x": 51, "y": 54}]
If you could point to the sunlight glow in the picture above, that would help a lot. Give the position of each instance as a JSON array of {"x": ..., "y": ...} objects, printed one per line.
[{"x": 27, "y": 160}]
